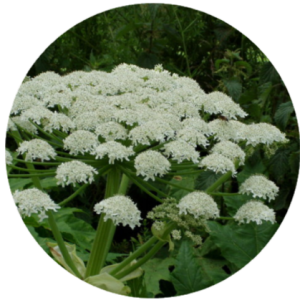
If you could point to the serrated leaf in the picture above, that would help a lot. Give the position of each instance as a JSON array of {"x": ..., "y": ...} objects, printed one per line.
[
  {"x": 155, "y": 270},
  {"x": 268, "y": 73},
  {"x": 186, "y": 276},
  {"x": 206, "y": 179},
  {"x": 233, "y": 203},
  {"x": 251, "y": 169},
  {"x": 280, "y": 163},
  {"x": 18, "y": 183},
  {"x": 234, "y": 88},
  {"x": 239, "y": 244},
  {"x": 283, "y": 114}
]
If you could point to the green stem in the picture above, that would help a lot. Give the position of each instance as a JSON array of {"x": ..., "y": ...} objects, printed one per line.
[
  {"x": 219, "y": 182},
  {"x": 61, "y": 244},
  {"x": 51, "y": 136},
  {"x": 134, "y": 255},
  {"x": 67, "y": 200},
  {"x": 151, "y": 253},
  {"x": 124, "y": 185},
  {"x": 141, "y": 186},
  {"x": 138, "y": 252},
  {"x": 30, "y": 175},
  {"x": 173, "y": 184},
  {"x": 224, "y": 194},
  {"x": 37, "y": 163},
  {"x": 105, "y": 230},
  {"x": 27, "y": 170},
  {"x": 225, "y": 218}
]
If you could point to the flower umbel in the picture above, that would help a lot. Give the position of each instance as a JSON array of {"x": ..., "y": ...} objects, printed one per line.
[
  {"x": 35, "y": 149},
  {"x": 33, "y": 201},
  {"x": 255, "y": 211},
  {"x": 74, "y": 172},
  {"x": 199, "y": 204},
  {"x": 120, "y": 209},
  {"x": 259, "y": 187}
]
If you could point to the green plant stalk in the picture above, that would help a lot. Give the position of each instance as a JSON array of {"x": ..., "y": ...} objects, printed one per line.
[
  {"x": 146, "y": 185},
  {"x": 105, "y": 230},
  {"x": 123, "y": 185},
  {"x": 174, "y": 184},
  {"x": 30, "y": 175},
  {"x": 151, "y": 253},
  {"x": 138, "y": 252},
  {"x": 67, "y": 200},
  {"x": 221, "y": 180},
  {"x": 225, "y": 218},
  {"x": 37, "y": 163},
  {"x": 56, "y": 233},
  {"x": 134, "y": 255},
  {"x": 141, "y": 186},
  {"x": 27, "y": 170},
  {"x": 61, "y": 244},
  {"x": 224, "y": 194},
  {"x": 49, "y": 135}
]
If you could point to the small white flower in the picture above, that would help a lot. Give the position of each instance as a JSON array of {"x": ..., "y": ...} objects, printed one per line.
[
  {"x": 111, "y": 131},
  {"x": 151, "y": 163},
  {"x": 176, "y": 234},
  {"x": 87, "y": 121},
  {"x": 25, "y": 124},
  {"x": 227, "y": 130},
  {"x": 73, "y": 172},
  {"x": 114, "y": 151},
  {"x": 259, "y": 186},
  {"x": 81, "y": 141},
  {"x": 156, "y": 130},
  {"x": 36, "y": 149},
  {"x": 33, "y": 201},
  {"x": 181, "y": 151},
  {"x": 197, "y": 124},
  {"x": 218, "y": 163},
  {"x": 59, "y": 121},
  {"x": 262, "y": 133},
  {"x": 254, "y": 211},
  {"x": 230, "y": 150},
  {"x": 187, "y": 110},
  {"x": 220, "y": 103},
  {"x": 25, "y": 102},
  {"x": 11, "y": 126},
  {"x": 199, "y": 204},
  {"x": 120, "y": 209},
  {"x": 36, "y": 114},
  {"x": 64, "y": 100},
  {"x": 192, "y": 137},
  {"x": 8, "y": 158}
]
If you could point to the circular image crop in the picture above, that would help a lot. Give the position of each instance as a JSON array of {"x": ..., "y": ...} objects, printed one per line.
[{"x": 152, "y": 150}]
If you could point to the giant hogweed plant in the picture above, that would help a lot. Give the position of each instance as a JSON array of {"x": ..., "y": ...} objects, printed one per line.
[{"x": 133, "y": 126}]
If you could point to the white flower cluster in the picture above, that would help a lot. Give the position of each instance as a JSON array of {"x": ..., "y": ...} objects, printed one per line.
[
  {"x": 255, "y": 211},
  {"x": 74, "y": 172},
  {"x": 8, "y": 158},
  {"x": 120, "y": 209},
  {"x": 151, "y": 163},
  {"x": 218, "y": 163},
  {"x": 259, "y": 187},
  {"x": 220, "y": 103},
  {"x": 262, "y": 133},
  {"x": 114, "y": 151},
  {"x": 33, "y": 201},
  {"x": 36, "y": 149},
  {"x": 199, "y": 204},
  {"x": 81, "y": 141},
  {"x": 229, "y": 150}
]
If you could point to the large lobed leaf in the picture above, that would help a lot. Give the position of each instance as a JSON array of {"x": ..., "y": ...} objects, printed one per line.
[{"x": 239, "y": 244}]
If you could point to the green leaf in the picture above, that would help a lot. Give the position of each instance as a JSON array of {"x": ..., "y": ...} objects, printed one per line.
[
  {"x": 268, "y": 73},
  {"x": 233, "y": 203},
  {"x": 283, "y": 114},
  {"x": 206, "y": 179},
  {"x": 18, "y": 183},
  {"x": 187, "y": 277},
  {"x": 251, "y": 169},
  {"x": 244, "y": 65},
  {"x": 40, "y": 240},
  {"x": 185, "y": 182},
  {"x": 279, "y": 163},
  {"x": 239, "y": 244},
  {"x": 155, "y": 270},
  {"x": 234, "y": 88}
]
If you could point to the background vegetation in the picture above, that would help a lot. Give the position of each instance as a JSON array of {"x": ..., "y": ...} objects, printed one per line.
[{"x": 218, "y": 57}]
